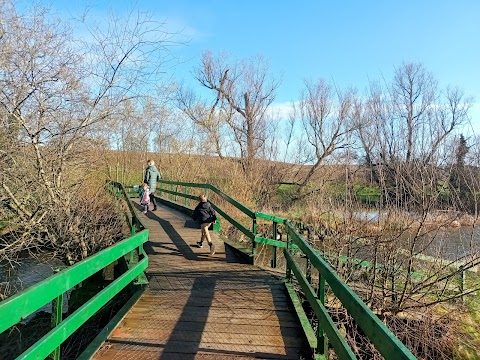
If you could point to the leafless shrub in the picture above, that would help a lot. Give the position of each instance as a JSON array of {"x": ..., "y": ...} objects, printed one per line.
[
  {"x": 58, "y": 104},
  {"x": 92, "y": 223},
  {"x": 428, "y": 335}
]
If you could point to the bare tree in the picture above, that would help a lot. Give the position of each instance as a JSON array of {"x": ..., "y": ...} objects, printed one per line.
[
  {"x": 415, "y": 253},
  {"x": 325, "y": 115},
  {"x": 243, "y": 92},
  {"x": 406, "y": 124},
  {"x": 59, "y": 96},
  {"x": 209, "y": 119},
  {"x": 407, "y": 133}
]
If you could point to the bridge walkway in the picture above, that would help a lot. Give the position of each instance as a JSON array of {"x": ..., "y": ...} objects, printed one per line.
[{"x": 198, "y": 306}]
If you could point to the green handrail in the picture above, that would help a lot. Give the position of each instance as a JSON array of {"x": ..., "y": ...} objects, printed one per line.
[
  {"x": 25, "y": 303},
  {"x": 378, "y": 333},
  {"x": 249, "y": 233}
]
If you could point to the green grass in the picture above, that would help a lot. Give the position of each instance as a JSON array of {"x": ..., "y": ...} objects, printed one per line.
[
  {"x": 443, "y": 189},
  {"x": 371, "y": 195},
  {"x": 4, "y": 224},
  {"x": 362, "y": 193},
  {"x": 285, "y": 192},
  {"x": 367, "y": 194},
  {"x": 468, "y": 344}
]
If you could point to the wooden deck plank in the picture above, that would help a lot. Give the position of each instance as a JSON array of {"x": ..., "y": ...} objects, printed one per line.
[
  {"x": 264, "y": 328},
  {"x": 198, "y": 306},
  {"x": 135, "y": 351}
]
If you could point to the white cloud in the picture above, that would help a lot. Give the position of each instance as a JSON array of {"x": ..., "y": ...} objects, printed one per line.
[
  {"x": 475, "y": 118},
  {"x": 281, "y": 110},
  {"x": 185, "y": 32}
]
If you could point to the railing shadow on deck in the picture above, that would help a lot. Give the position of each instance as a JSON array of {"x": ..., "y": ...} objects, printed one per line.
[
  {"x": 194, "y": 315},
  {"x": 184, "y": 323},
  {"x": 182, "y": 247}
]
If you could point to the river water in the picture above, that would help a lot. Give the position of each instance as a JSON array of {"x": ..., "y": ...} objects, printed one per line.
[
  {"x": 449, "y": 243},
  {"x": 27, "y": 272}
]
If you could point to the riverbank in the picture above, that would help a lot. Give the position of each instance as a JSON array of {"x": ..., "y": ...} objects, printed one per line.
[{"x": 26, "y": 272}]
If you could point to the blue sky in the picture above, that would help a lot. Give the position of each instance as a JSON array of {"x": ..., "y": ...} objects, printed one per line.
[{"x": 348, "y": 42}]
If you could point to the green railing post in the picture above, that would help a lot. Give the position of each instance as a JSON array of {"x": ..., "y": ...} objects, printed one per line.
[
  {"x": 322, "y": 341},
  {"x": 57, "y": 313},
  {"x": 132, "y": 232},
  {"x": 186, "y": 198},
  {"x": 288, "y": 273},
  {"x": 308, "y": 271},
  {"x": 216, "y": 225},
  {"x": 171, "y": 188},
  {"x": 274, "y": 248},
  {"x": 160, "y": 192},
  {"x": 254, "y": 231}
]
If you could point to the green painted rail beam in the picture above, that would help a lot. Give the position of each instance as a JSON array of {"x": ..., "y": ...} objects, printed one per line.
[
  {"x": 233, "y": 202},
  {"x": 269, "y": 217},
  {"x": 342, "y": 349},
  {"x": 17, "y": 307},
  {"x": 380, "y": 335},
  {"x": 42, "y": 348}
]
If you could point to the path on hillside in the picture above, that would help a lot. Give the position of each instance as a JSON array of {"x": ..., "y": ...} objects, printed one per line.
[{"x": 198, "y": 306}]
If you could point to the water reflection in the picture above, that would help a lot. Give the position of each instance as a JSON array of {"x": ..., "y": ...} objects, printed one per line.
[
  {"x": 28, "y": 272},
  {"x": 453, "y": 243},
  {"x": 448, "y": 243},
  {"x": 370, "y": 216}
]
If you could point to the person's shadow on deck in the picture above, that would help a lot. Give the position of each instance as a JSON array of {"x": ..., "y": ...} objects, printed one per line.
[
  {"x": 182, "y": 246},
  {"x": 191, "y": 330},
  {"x": 191, "y": 224}
]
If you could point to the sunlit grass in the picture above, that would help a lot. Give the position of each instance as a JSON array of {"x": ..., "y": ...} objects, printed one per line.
[
  {"x": 4, "y": 224},
  {"x": 468, "y": 343}
]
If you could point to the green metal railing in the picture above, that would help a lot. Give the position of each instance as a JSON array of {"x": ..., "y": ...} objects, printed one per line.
[
  {"x": 51, "y": 290},
  {"x": 381, "y": 337},
  {"x": 16, "y": 308}
]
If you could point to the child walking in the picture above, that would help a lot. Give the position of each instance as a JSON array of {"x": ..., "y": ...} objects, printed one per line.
[
  {"x": 145, "y": 198},
  {"x": 206, "y": 216}
]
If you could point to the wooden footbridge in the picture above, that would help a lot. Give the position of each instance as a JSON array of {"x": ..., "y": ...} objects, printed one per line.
[
  {"x": 198, "y": 306},
  {"x": 188, "y": 304}
]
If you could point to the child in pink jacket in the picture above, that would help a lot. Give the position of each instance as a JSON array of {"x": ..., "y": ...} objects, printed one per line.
[{"x": 145, "y": 198}]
